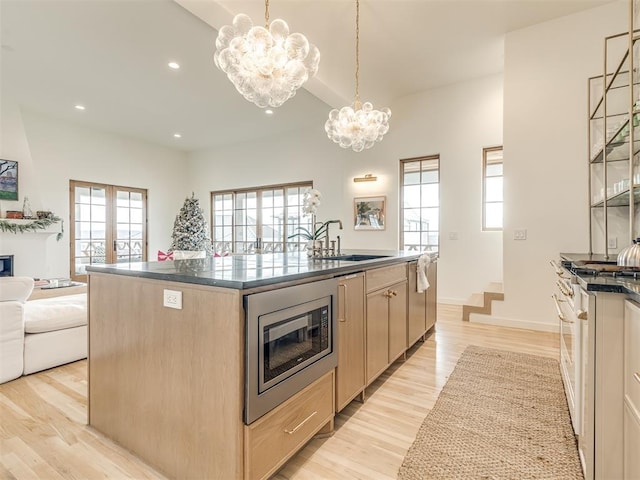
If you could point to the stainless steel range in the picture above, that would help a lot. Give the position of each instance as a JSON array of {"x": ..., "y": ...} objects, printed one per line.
[{"x": 290, "y": 342}]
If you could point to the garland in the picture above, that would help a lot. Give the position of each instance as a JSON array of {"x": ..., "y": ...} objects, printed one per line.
[{"x": 39, "y": 224}]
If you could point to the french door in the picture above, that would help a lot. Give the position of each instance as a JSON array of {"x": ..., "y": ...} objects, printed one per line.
[{"x": 108, "y": 225}]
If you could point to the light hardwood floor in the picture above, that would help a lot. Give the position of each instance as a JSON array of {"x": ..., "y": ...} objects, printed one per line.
[{"x": 43, "y": 430}]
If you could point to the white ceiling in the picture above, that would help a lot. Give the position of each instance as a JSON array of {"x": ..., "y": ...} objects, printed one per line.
[{"x": 112, "y": 55}]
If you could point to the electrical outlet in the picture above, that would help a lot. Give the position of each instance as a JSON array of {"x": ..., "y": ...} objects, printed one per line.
[
  {"x": 613, "y": 242},
  {"x": 519, "y": 234},
  {"x": 172, "y": 299},
  {"x": 453, "y": 235}
]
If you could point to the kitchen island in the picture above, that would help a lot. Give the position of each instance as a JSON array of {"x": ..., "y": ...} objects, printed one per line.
[{"x": 167, "y": 358}]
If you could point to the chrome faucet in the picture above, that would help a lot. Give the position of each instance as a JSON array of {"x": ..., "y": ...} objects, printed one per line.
[{"x": 327, "y": 242}]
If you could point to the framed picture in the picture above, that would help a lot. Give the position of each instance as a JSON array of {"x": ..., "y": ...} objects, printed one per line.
[
  {"x": 8, "y": 180},
  {"x": 369, "y": 213}
]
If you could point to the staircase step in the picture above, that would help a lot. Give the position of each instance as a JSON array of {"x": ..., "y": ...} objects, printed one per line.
[
  {"x": 476, "y": 300},
  {"x": 481, "y": 302}
]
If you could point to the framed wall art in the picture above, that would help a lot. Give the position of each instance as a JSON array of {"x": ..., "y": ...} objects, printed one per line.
[
  {"x": 369, "y": 213},
  {"x": 8, "y": 180}
]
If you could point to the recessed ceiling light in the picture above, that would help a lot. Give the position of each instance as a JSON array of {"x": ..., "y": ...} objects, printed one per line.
[
  {"x": 177, "y": 135},
  {"x": 268, "y": 111},
  {"x": 174, "y": 65},
  {"x": 80, "y": 107}
]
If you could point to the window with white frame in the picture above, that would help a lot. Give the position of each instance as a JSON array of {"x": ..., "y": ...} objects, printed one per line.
[
  {"x": 492, "y": 193},
  {"x": 420, "y": 203},
  {"x": 259, "y": 220}
]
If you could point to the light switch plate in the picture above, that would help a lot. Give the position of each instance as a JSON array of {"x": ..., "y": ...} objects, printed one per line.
[
  {"x": 172, "y": 299},
  {"x": 519, "y": 234},
  {"x": 613, "y": 242},
  {"x": 453, "y": 235}
]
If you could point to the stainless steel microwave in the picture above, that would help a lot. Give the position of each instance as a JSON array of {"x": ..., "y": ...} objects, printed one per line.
[{"x": 290, "y": 342}]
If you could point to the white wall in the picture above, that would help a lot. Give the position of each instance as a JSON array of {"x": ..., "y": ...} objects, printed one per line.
[
  {"x": 455, "y": 122},
  {"x": 51, "y": 152},
  {"x": 545, "y": 146}
]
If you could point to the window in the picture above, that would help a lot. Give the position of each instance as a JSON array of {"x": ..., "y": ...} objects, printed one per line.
[
  {"x": 108, "y": 225},
  {"x": 420, "y": 203},
  {"x": 259, "y": 220},
  {"x": 492, "y": 195}
]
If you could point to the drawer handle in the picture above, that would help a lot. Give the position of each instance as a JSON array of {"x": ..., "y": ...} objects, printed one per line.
[
  {"x": 637, "y": 376},
  {"x": 343, "y": 314},
  {"x": 290, "y": 432},
  {"x": 560, "y": 315},
  {"x": 582, "y": 315}
]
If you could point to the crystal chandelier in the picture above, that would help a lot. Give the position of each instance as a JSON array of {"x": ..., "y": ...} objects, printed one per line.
[
  {"x": 358, "y": 126},
  {"x": 266, "y": 64}
]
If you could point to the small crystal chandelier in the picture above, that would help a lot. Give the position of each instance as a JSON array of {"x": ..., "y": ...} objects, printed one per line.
[
  {"x": 266, "y": 64},
  {"x": 358, "y": 126}
]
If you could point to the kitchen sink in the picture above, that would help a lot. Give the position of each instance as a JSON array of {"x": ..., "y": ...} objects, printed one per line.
[{"x": 354, "y": 257}]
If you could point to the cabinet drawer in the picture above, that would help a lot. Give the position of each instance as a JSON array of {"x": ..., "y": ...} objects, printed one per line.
[
  {"x": 383, "y": 277},
  {"x": 274, "y": 438},
  {"x": 632, "y": 354}
]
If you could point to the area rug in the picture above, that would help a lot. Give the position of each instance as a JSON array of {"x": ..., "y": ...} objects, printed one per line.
[{"x": 501, "y": 415}]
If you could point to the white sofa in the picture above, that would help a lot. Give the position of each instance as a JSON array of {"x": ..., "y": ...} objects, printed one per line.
[{"x": 38, "y": 334}]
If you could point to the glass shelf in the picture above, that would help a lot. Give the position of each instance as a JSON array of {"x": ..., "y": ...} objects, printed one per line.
[
  {"x": 620, "y": 199},
  {"x": 618, "y": 146}
]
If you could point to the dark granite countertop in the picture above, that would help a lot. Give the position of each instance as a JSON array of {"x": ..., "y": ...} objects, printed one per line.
[
  {"x": 610, "y": 284},
  {"x": 252, "y": 271}
]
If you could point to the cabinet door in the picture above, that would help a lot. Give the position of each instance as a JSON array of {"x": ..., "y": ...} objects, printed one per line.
[
  {"x": 417, "y": 304},
  {"x": 397, "y": 320},
  {"x": 631, "y": 443},
  {"x": 432, "y": 295},
  {"x": 350, "y": 374},
  {"x": 377, "y": 333}
]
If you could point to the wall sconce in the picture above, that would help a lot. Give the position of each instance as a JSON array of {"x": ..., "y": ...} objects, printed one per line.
[{"x": 367, "y": 178}]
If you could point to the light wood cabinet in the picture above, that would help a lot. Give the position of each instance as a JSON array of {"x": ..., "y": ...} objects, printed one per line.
[
  {"x": 397, "y": 320},
  {"x": 386, "y": 319},
  {"x": 377, "y": 334},
  {"x": 271, "y": 440},
  {"x": 422, "y": 307},
  {"x": 417, "y": 307},
  {"x": 350, "y": 373},
  {"x": 432, "y": 294}
]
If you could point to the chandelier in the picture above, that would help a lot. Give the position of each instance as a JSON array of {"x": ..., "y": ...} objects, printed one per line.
[
  {"x": 266, "y": 64},
  {"x": 358, "y": 126}
]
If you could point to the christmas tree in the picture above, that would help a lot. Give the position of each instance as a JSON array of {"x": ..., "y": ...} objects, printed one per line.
[{"x": 190, "y": 230}]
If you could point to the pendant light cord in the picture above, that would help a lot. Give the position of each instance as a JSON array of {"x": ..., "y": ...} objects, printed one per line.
[
  {"x": 266, "y": 14},
  {"x": 356, "y": 103}
]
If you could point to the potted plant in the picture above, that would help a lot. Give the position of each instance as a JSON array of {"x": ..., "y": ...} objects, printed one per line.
[{"x": 318, "y": 231}]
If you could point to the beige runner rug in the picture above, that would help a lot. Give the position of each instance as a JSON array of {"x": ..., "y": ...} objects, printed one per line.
[{"x": 501, "y": 415}]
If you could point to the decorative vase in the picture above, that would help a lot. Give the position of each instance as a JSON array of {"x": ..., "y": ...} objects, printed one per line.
[
  {"x": 314, "y": 248},
  {"x": 26, "y": 209}
]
